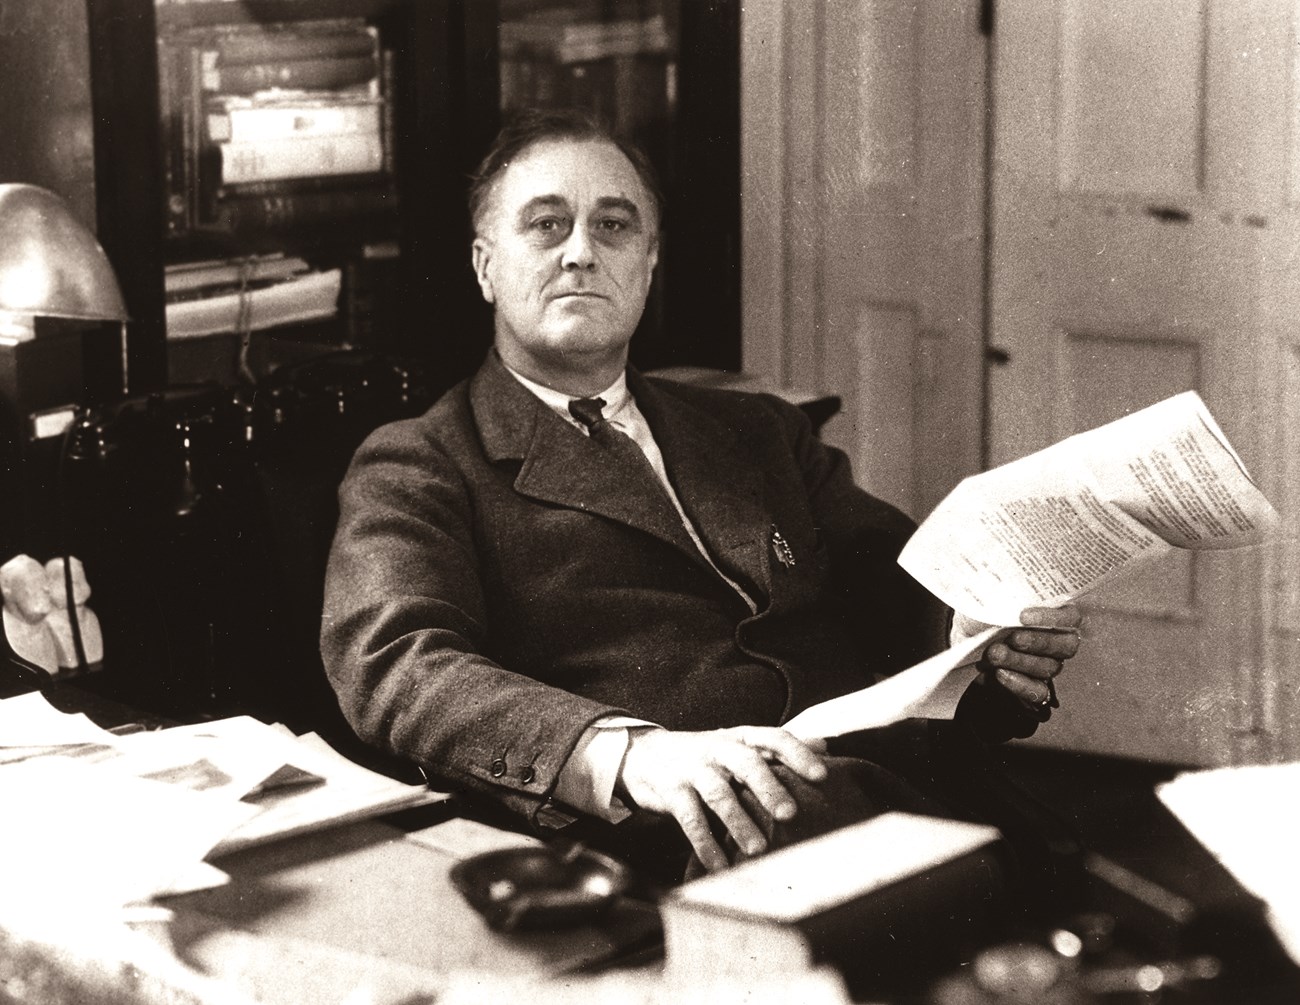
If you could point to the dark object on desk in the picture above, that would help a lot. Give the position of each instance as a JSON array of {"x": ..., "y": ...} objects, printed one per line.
[
  {"x": 204, "y": 515},
  {"x": 163, "y": 509},
  {"x": 1169, "y": 898},
  {"x": 526, "y": 888}
]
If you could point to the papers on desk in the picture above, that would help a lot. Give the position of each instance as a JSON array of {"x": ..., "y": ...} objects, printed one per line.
[
  {"x": 110, "y": 820},
  {"x": 30, "y": 726},
  {"x": 1248, "y": 818},
  {"x": 1049, "y": 528},
  {"x": 298, "y": 783}
]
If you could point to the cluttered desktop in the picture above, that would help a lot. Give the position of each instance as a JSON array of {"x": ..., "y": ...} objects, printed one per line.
[{"x": 271, "y": 869}]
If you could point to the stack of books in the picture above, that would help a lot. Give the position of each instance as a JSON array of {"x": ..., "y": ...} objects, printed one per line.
[
  {"x": 620, "y": 70},
  {"x": 559, "y": 36},
  {"x": 247, "y": 294},
  {"x": 273, "y": 126}
]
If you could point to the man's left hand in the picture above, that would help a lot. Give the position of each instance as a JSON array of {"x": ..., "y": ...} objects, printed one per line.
[{"x": 1030, "y": 656}]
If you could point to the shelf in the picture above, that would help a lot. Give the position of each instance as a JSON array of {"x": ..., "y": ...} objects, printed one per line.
[{"x": 208, "y": 13}]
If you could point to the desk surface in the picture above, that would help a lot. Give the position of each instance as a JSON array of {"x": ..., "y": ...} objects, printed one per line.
[
  {"x": 365, "y": 910},
  {"x": 359, "y": 913},
  {"x": 369, "y": 884}
]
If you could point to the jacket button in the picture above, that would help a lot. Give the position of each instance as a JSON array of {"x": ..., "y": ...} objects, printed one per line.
[
  {"x": 527, "y": 775},
  {"x": 498, "y": 767}
]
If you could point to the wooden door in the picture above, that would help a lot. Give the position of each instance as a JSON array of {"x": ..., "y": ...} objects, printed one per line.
[
  {"x": 862, "y": 152},
  {"x": 1145, "y": 241}
]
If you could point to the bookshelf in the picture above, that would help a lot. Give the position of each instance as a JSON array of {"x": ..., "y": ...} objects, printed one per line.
[
  {"x": 274, "y": 180},
  {"x": 357, "y": 177}
]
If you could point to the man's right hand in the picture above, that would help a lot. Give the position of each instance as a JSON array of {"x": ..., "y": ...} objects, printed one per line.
[{"x": 682, "y": 773}]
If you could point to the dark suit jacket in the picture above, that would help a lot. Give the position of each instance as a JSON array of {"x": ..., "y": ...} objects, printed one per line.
[{"x": 494, "y": 587}]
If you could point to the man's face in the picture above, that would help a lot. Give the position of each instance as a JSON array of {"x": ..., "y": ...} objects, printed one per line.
[{"x": 565, "y": 252}]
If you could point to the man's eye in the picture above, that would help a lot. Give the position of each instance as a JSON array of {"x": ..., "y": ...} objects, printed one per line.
[
  {"x": 547, "y": 224},
  {"x": 613, "y": 225}
]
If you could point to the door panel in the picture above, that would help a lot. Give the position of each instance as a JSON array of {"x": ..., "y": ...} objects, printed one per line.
[
  {"x": 863, "y": 165},
  {"x": 1142, "y": 195},
  {"x": 1130, "y": 122}
]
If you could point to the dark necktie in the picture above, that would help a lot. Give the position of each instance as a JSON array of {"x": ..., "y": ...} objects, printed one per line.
[
  {"x": 621, "y": 447},
  {"x": 589, "y": 411}
]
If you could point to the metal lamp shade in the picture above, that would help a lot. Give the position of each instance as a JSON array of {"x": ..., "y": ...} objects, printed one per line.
[{"x": 51, "y": 265}]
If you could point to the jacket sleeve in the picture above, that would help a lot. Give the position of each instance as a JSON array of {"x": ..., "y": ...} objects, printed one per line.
[{"x": 404, "y": 633}]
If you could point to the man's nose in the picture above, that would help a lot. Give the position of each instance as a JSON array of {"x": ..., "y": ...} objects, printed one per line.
[{"x": 577, "y": 252}]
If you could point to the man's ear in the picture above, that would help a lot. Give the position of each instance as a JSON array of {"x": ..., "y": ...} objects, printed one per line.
[
  {"x": 481, "y": 255},
  {"x": 652, "y": 255}
]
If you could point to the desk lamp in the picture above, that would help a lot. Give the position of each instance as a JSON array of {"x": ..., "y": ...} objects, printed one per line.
[{"x": 51, "y": 266}]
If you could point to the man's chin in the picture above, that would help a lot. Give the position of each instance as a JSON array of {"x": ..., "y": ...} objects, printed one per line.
[{"x": 585, "y": 337}]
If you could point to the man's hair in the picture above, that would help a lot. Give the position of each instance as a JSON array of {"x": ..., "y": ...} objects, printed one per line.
[{"x": 527, "y": 129}]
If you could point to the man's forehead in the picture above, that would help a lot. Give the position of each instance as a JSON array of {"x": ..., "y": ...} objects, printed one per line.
[{"x": 584, "y": 171}]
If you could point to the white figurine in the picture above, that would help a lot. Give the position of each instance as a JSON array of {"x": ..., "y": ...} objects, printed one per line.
[
  {"x": 26, "y": 608},
  {"x": 92, "y": 639}
]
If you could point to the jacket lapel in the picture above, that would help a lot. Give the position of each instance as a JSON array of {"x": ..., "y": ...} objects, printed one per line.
[
  {"x": 722, "y": 495},
  {"x": 560, "y": 465}
]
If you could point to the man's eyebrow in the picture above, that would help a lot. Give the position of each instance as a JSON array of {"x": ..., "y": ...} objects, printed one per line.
[
  {"x": 618, "y": 202},
  {"x": 542, "y": 202}
]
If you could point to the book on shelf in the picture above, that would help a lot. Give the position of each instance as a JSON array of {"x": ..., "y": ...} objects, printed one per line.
[
  {"x": 301, "y": 157},
  {"x": 308, "y": 296},
  {"x": 331, "y": 73},
  {"x": 388, "y": 116},
  {"x": 236, "y": 213},
  {"x": 372, "y": 294},
  {"x": 172, "y": 140},
  {"x": 558, "y": 37},
  {"x": 326, "y": 39},
  {"x": 242, "y": 120},
  {"x": 590, "y": 86},
  {"x": 869, "y": 899},
  {"x": 265, "y": 106},
  {"x": 184, "y": 279},
  {"x": 326, "y": 183}
]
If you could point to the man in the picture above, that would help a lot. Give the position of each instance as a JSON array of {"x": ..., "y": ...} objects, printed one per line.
[{"x": 578, "y": 590}]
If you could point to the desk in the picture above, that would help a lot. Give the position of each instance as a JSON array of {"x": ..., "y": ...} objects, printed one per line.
[
  {"x": 365, "y": 913},
  {"x": 360, "y": 913}
]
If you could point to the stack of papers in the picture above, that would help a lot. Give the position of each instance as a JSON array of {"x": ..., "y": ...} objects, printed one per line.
[
  {"x": 113, "y": 820},
  {"x": 254, "y": 303}
]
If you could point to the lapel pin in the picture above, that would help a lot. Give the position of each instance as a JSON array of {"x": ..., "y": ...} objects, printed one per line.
[{"x": 781, "y": 548}]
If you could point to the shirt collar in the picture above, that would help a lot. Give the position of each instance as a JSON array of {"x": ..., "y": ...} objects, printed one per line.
[{"x": 616, "y": 396}]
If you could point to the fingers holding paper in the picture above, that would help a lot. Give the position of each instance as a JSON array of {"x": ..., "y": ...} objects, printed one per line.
[{"x": 1027, "y": 659}]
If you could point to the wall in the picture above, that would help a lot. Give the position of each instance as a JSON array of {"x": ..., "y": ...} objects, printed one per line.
[{"x": 45, "y": 97}]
